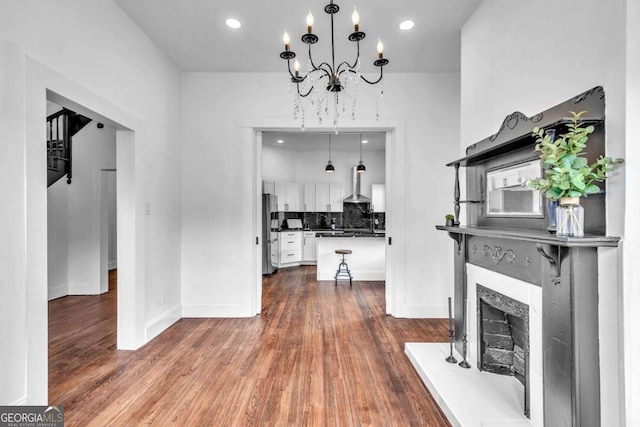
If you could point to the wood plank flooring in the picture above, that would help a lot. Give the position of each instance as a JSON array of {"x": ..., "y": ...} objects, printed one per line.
[{"x": 317, "y": 356}]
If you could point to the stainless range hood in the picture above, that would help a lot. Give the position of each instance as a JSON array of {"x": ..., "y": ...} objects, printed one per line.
[{"x": 356, "y": 196}]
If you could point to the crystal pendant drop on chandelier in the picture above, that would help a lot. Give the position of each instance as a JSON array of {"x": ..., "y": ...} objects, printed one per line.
[{"x": 326, "y": 78}]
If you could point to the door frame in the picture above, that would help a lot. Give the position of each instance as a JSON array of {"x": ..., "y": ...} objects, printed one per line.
[
  {"x": 395, "y": 198},
  {"x": 41, "y": 84}
]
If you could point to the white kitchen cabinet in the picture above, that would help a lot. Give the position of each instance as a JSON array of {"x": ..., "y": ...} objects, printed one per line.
[
  {"x": 378, "y": 197},
  {"x": 335, "y": 197},
  {"x": 322, "y": 198},
  {"x": 309, "y": 204},
  {"x": 309, "y": 246},
  {"x": 268, "y": 187},
  {"x": 293, "y": 198},
  {"x": 281, "y": 194},
  {"x": 288, "y": 197},
  {"x": 290, "y": 248}
]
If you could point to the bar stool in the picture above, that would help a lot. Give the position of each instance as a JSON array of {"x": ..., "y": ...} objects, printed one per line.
[{"x": 343, "y": 271}]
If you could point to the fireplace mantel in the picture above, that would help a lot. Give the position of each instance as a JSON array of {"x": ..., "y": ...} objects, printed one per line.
[
  {"x": 534, "y": 236},
  {"x": 565, "y": 268}
]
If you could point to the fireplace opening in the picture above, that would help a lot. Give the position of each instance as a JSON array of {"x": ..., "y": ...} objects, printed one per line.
[{"x": 503, "y": 331}]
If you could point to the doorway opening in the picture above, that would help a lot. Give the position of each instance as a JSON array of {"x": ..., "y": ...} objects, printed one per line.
[
  {"x": 42, "y": 85},
  {"x": 393, "y": 131},
  {"x": 82, "y": 257},
  {"x": 315, "y": 192}
]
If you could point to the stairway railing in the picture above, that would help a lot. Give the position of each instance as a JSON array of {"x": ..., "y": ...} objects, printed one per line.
[{"x": 61, "y": 127}]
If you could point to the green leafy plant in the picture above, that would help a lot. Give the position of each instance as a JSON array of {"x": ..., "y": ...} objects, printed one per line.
[
  {"x": 567, "y": 172},
  {"x": 448, "y": 216}
]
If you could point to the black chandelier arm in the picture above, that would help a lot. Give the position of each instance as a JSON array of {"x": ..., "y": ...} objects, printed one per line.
[
  {"x": 289, "y": 68},
  {"x": 310, "y": 89},
  {"x": 328, "y": 70},
  {"x": 350, "y": 67},
  {"x": 364, "y": 78},
  {"x": 306, "y": 94}
]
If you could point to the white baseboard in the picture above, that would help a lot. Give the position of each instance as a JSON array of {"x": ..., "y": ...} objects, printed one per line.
[
  {"x": 422, "y": 311},
  {"x": 158, "y": 324},
  {"x": 112, "y": 265},
  {"x": 213, "y": 310},
  {"x": 20, "y": 402},
  {"x": 84, "y": 289},
  {"x": 57, "y": 292}
]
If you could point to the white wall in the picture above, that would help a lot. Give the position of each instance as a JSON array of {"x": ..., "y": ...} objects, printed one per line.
[
  {"x": 58, "y": 240},
  {"x": 97, "y": 51},
  {"x": 74, "y": 215},
  {"x": 307, "y": 167},
  {"x": 631, "y": 291},
  {"x": 214, "y": 109},
  {"x": 529, "y": 56},
  {"x": 93, "y": 149}
]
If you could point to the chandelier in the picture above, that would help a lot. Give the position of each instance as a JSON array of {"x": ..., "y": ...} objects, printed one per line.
[{"x": 326, "y": 83}]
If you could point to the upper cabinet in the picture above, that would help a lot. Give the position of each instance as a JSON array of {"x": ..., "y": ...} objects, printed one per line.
[
  {"x": 309, "y": 203},
  {"x": 335, "y": 197},
  {"x": 288, "y": 197},
  {"x": 293, "y": 198},
  {"x": 268, "y": 187},
  {"x": 378, "y": 197},
  {"x": 328, "y": 198},
  {"x": 322, "y": 198},
  {"x": 305, "y": 197}
]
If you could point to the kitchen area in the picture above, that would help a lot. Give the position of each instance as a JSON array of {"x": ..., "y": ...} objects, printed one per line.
[{"x": 323, "y": 192}]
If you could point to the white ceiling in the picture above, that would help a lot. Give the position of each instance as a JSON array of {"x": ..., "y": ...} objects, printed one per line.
[
  {"x": 194, "y": 35},
  {"x": 310, "y": 141}
]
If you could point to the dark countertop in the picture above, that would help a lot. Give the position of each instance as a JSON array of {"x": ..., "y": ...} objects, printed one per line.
[{"x": 349, "y": 234}]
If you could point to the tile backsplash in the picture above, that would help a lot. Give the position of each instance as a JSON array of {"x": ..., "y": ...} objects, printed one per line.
[{"x": 357, "y": 216}]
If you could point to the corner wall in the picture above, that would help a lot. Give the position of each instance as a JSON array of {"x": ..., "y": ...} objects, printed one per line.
[
  {"x": 531, "y": 56},
  {"x": 631, "y": 290},
  {"x": 98, "y": 49}
]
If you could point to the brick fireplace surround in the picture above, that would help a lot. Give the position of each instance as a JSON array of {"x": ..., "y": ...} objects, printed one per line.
[{"x": 564, "y": 269}]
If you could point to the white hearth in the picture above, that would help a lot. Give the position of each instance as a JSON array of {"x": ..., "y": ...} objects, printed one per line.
[{"x": 470, "y": 397}]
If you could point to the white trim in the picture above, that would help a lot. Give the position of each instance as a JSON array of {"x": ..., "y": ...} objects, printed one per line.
[
  {"x": 422, "y": 312},
  {"x": 83, "y": 289},
  {"x": 42, "y": 83},
  {"x": 113, "y": 265},
  {"x": 57, "y": 292},
  {"x": 161, "y": 322},
  {"x": 211, "y": 310},
  {"x": 20, "y": 402}
]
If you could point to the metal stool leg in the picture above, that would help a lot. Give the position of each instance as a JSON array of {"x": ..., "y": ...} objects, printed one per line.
[{"x": 343, "y": 272}]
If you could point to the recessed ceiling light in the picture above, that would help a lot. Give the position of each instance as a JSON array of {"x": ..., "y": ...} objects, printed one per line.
[
  {"x": 407, "y": 25},
  {"x": 364, "y": 141},
  {"x": 280, "y": 141},
  {"x": 233, "y": 23}
]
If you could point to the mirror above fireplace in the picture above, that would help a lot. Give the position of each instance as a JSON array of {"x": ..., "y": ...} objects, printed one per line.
[{"x": 507, "y": 196}]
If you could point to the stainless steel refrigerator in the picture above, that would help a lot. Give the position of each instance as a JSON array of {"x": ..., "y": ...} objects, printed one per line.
[{"x": 269, "y": 234}]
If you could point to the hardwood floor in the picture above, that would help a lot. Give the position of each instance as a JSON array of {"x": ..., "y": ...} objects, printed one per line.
[{"x": 318, "y": 355}]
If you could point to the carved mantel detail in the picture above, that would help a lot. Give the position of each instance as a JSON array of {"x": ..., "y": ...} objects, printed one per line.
[{"x": 497, "y": 254}]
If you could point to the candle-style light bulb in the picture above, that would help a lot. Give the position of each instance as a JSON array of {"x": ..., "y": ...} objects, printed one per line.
[
  {"x": 309, "y": 22},
  {"x": 355, "y": 18},
  {"x": 287, "y": 41},
  {"x": 296, "y": 67},
  {"x": 380, "y": 48}
]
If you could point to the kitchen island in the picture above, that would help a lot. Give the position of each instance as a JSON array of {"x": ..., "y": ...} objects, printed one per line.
[{"x": 366, "y": 262}]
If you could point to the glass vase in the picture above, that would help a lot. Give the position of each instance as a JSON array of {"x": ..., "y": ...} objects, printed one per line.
[
  {"x": 570, "y": 218},
  {"x": 552, "y": 205}
]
